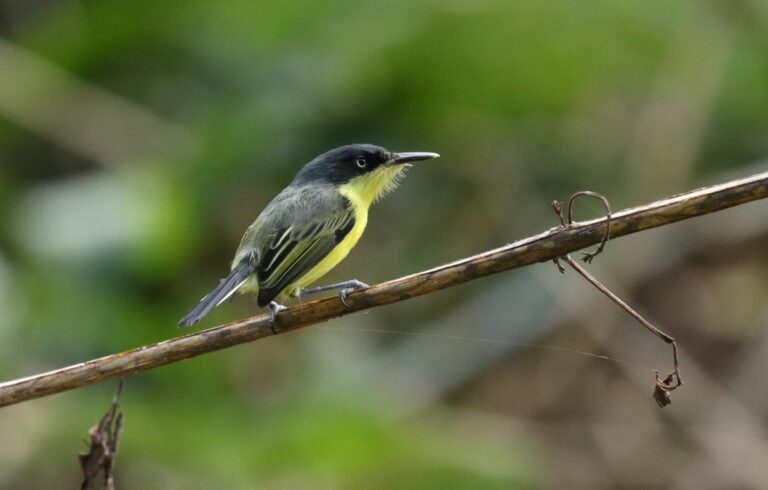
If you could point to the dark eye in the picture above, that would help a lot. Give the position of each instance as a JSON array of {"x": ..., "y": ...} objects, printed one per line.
[{"x": 361, "y": 162}]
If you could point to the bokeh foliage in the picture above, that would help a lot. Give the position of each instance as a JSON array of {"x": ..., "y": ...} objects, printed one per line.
[{"x": 138, "y": 139}]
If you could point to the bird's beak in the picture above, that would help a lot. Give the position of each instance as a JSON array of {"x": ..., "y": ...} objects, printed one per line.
[{"x": 413, "y": 156}]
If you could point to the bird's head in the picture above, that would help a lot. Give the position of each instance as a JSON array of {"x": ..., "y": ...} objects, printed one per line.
[{"x": 366, "y": 171}]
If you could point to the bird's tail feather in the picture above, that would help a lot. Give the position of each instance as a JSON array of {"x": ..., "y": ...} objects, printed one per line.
[{"x": 224, "y": 290}]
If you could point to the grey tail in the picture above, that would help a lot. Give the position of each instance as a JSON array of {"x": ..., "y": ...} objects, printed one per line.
[{"x": 224, "y": 290}]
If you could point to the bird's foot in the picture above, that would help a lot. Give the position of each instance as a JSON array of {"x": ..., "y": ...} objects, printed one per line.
[
  {"x": 344, "y": 288},
  {"x": 274, "y": 309},
  {"x": 349, "y": 287}
]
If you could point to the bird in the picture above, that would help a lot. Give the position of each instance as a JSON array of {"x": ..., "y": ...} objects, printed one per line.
[{"x": 309, "y": 227}]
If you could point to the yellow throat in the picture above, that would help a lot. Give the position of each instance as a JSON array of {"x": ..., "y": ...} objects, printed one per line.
[{"x": 366, "y": 189}]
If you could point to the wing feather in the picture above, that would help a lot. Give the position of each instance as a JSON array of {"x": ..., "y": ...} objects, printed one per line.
[{"x": 297, "y": 249}]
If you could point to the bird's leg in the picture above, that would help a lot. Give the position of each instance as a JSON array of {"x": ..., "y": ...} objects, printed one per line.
[
  {"x": 274, "y": 308},
  {"x": 344, "y": 287}
]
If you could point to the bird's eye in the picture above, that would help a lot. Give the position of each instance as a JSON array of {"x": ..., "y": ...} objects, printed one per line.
[{"x": 361, "y": 162}]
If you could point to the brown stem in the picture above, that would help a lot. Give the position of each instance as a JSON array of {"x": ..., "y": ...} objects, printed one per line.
[
  {"x": 546, "y": 246},
  {"x": 662, "y": 335}
]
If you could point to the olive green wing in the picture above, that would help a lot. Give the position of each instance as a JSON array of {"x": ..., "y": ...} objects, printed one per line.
[{"x": 296, "y": 249}]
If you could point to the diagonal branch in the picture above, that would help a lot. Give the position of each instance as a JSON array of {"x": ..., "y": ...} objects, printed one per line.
[{"x": 546, "y": 246}]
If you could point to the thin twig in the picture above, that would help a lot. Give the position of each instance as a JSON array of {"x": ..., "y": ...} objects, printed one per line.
[
  {"x": 546, "y": 246},
  {"x": 663, "y": 388},
  {"x": 588, "y": 256},
  {"x": 672, "y": 381}
]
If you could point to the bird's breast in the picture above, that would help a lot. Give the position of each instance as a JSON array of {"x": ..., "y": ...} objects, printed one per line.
[{"x": 339, "y": 252}]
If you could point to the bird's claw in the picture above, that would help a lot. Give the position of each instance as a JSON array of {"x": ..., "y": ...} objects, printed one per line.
[
  {"x": 354, "y": 285},
  {"x": 274, "y": 309}
]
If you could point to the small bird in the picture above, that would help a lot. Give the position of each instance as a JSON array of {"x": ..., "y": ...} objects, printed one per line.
[{"x": 309, "y": 227}]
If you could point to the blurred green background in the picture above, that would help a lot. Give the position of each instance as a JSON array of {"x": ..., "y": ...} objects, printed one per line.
[{"x": 138, "y": 139}]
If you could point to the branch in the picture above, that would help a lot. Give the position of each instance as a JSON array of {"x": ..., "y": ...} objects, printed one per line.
[
  {"x": 546, "y": 246},
  {"x": 104, "y": 438}
]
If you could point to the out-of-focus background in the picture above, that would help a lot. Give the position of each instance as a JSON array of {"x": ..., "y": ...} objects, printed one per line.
[{"x": 138, "y": 139}]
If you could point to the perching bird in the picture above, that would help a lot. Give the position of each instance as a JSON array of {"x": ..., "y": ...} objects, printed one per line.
[{"x": 310, "y": 227}]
